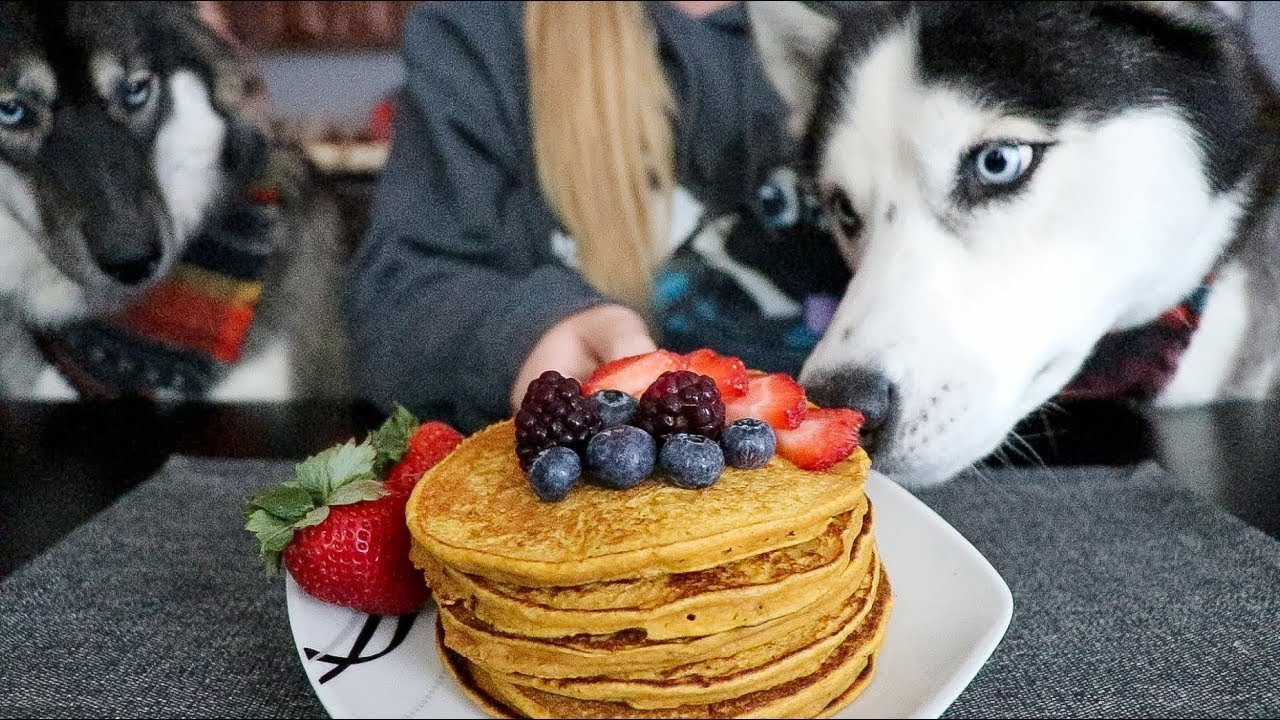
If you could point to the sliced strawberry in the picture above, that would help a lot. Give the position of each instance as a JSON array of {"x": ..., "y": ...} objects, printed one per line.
[
  {"x": 633, "y": 375},
  {"x": 729, "y": 372},
  {"x": 427, "y": 446},
  {"x": 775, "y": 399},
  {"x": 826, "y": 437}
]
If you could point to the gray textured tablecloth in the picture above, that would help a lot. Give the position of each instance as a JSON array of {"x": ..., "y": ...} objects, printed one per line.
[{"x": 1131, "y": 597}]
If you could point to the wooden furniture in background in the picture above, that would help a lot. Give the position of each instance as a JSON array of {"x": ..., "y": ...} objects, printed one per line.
[
  {"x": 317, "y": 26},
  {"x": 348, "y": 152}
]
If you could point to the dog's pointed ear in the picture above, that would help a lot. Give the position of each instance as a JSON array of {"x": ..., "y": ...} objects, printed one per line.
[
  {"x": 792, "y": 39},
  {"x": 1206, "y": 16},
  {"x": 1204, "y": 34},
  {"x": 1200, "y": 31}
]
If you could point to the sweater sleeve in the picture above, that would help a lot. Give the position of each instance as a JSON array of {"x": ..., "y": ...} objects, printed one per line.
[{"x": 455, "y": 281}]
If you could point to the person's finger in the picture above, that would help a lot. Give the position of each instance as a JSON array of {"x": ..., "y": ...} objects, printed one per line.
[
  {"x": 558, "y": 350},
  {"x": 583, "y": 342},
  {"x": 626, "y": 345},
  {"x": 613, "y": 332}
]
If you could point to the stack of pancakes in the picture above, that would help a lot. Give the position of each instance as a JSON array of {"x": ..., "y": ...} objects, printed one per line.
[{"x": 759, "y": 596}]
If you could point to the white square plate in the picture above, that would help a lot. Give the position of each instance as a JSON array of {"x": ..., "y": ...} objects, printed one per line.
[{"x": 950, "y": 610}]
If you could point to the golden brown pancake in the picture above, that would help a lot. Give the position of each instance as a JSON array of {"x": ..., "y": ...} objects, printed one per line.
[
  {"x": 455, "y": 664},
  {"x": 761, "y": 596},
  {"x": 474, "y": 512},
  {"x": 706, "y": 602},
  {"x": 629, "y": 651},
  {"x": 793, "y": 655},
  {"x": 664, "y": 590},
  {"x": 807, "y": 696}
]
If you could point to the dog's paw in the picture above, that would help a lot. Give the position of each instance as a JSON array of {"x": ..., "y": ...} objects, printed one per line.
[
  {"x": 52, "y": 299},
  {"x": 51, "y": 386}
]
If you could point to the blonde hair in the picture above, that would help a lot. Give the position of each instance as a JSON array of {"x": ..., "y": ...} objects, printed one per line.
[{"x": 600, "y": 110}]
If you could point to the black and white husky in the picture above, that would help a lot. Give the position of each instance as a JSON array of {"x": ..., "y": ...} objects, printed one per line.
[
  {"x": 1012, "y": 181},
  {"x": 119, "y": 134}
]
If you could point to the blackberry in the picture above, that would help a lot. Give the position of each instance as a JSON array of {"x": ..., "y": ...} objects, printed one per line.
[
  {"x": 554, "y": 412},
  {"x": 681, "y": 402}
]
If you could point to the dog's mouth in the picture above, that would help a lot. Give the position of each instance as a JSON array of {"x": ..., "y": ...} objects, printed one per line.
[{"x": 927, "y": 443}]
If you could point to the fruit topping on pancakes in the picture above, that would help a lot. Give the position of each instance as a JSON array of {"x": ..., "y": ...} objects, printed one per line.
[{"x": 662, "y": 414}]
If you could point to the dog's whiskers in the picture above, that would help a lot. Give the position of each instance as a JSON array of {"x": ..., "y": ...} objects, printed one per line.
[
  {"x": 1000, "y": 454},
  {"x": 1053, "y": 406},
  {"x": 1048, "y": 428},
  {"x": 1028, "y": 452},
  {"x": 1006, "y": 447},
  {"x": 1037, "y": 435},
  {"x": 989, "y": 483}
]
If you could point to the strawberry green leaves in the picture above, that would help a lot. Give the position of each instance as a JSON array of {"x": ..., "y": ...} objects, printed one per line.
[
  {"x": 343, "y": 475},
  {"x": 356, "y": 491},
  {"x": 338, "y": 476},
  {"x": 391, "y": 441},
  {"x": 273, "y": 535},
  {"x": 325, "y": 472},
  {"x": 286, "y": 501}
]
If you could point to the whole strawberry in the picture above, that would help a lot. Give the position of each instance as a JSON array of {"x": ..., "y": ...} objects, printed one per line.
[
  {"x": 340, "y": 530},
  {"x": 427, "y": 446},
  {"x": 358, "y": 557}
]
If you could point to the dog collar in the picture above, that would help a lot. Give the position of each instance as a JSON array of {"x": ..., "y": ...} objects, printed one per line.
[
  {"x": 178, "y": 339},
  {"x": 1139, "y": 363}
]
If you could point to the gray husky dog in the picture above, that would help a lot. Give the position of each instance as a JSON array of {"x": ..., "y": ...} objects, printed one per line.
[
  {"x": 120, "y": 137},
  {"x": 1013, "y": 182}
]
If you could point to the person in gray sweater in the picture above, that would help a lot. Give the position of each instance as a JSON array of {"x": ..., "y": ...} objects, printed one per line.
[{"x": 509, "y": 232}]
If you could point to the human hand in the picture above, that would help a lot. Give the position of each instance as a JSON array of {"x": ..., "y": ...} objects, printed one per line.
[{"x": 583, "y": 342}]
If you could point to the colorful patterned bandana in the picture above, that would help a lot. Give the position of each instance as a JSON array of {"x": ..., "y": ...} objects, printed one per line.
[
  {"x": 180, "y": 338},
  {"x": 1137, "y": 364}
]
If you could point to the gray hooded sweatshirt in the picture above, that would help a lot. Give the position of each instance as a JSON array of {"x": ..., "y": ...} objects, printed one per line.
[{"x": 459, "y": 275}]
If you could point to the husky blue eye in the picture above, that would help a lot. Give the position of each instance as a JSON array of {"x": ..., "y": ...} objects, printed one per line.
[
  {"x": 1002, "y": 163},
  {"x": 778, "y": 201},
  {"x": 136, "y": 92},
  {"x": 12, "y": 113}
]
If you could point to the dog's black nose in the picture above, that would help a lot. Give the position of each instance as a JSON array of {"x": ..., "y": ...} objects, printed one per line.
[
  {"x": 132, "y": 272},
  {"x": 128, "y": 257},
  {"x": 859, "y": 388}
]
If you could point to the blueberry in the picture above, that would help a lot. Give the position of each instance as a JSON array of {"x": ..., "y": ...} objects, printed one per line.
[
  {"x": 691, "y": 461},
  {"x": 553, "y": 472},
  {"x": 616, "y": 407},
  {"x": 748, "y": 443},
  {"x": 621, "y": 456}
]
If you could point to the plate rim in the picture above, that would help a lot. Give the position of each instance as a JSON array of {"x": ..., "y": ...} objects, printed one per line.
[{"x": 989, "y": 640}]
